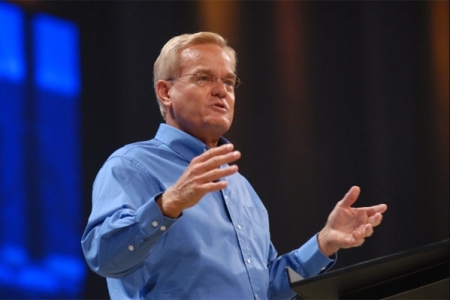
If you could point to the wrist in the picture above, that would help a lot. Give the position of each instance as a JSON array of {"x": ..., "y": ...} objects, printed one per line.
[
  {"x": 325, "y": 245},
  {"x": 167, "y": 209}
]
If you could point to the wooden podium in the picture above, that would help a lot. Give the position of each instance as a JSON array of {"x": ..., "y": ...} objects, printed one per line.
[{"x": 421, "y": 273}]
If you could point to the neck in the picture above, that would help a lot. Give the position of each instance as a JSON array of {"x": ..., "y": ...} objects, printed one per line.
[{"x": 206, "y": 136}]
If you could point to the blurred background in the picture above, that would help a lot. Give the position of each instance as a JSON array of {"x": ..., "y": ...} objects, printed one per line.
[{"x": 335, "y": 94}]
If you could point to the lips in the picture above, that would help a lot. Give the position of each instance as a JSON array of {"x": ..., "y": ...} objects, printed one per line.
[{"x": 220, "y": 105}]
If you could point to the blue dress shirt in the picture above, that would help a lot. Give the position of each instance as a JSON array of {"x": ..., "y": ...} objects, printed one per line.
[{"x": 218, "y": 249}]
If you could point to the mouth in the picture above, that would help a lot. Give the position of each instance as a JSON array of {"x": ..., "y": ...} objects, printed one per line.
[{"x": 220, "y": 106}]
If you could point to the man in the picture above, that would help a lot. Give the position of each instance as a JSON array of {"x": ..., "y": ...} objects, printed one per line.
[{"x": 173, "y": 219}]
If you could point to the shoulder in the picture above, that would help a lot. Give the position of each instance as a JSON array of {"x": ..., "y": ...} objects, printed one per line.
[
  {"x": 136, "y": 149},
  {"x": 147, "y": 156},
  {"x": 132, "y": 164},
  {"x": 131, "y": 155}
]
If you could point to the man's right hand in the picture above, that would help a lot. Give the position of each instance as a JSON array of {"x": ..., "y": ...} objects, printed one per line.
[{"x": 201, "y": 177}]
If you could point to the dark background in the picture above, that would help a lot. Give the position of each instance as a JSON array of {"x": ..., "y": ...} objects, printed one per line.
[{"x": 335, "y": 94}]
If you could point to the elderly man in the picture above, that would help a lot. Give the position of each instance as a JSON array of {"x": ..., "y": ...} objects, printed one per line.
[{"x": 172, "y": 218}]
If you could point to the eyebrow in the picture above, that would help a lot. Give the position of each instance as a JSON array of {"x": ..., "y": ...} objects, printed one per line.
[{"x": 207, "y": 71}]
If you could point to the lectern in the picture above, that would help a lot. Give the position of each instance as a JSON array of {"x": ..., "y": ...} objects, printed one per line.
[{"x": 421, "y": 273}]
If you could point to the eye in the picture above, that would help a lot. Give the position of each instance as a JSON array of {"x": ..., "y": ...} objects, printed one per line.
[
  {"x": 229, "y": 82},
  {"x": 204, "y": 78}
]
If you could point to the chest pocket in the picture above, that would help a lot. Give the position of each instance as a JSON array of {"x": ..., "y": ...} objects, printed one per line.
[{"x": 257, "y": 216}]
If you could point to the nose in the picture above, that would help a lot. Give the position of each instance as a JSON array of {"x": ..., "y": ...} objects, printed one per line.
[{"x": 218, "y": 88}]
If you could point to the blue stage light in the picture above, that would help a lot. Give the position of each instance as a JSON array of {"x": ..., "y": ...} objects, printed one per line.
[
  {"x": 40, "y": 157},
  {"x": 12, "y": 49},
  {"x": 56, "y": 54}
]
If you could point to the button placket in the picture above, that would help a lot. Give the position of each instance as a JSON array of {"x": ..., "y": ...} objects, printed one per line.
[{"x": 235, "y": 219}]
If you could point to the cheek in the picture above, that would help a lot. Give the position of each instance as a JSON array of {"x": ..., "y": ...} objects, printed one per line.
[
  {"x": 184, "y": 109},
  {"x": 183, "y": 102},
  {"x": 231, "y": 103}
]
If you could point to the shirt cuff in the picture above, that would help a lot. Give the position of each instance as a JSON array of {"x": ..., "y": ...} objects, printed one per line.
[
  {"x": 152, "y": 219},
  {"x": 312, "y": 259}
]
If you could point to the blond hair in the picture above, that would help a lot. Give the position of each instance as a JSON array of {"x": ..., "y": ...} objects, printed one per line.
[{"x": 168, "y": 62}]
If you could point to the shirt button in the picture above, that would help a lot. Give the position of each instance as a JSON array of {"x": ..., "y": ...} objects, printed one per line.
[
  {"x": 239, "y": 227},
  {"x": 249, "y": 260},
  {"x": 323, "y": 268},
  {"x": 154, "y": 223},
  {"x": 256, "y": 296},
  {"x": 163, "y": 228},
  {"x": 130, "y": 247},
  {"x": 225, "y": 196}
]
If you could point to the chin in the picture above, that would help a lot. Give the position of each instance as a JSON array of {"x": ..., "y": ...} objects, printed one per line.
[{"x": 219, "y": 127}]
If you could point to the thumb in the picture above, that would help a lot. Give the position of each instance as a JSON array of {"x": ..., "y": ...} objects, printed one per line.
[{"x": 351, "y": 196}]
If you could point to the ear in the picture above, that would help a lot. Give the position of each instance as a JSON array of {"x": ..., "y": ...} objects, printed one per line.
[{"x": 163, "y": 92}]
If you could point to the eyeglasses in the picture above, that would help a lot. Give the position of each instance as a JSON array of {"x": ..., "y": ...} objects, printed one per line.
[{"x": 203, "y": 80}]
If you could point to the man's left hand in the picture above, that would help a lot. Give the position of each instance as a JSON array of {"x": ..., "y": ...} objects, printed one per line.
[{"x": 348, "y": 226}]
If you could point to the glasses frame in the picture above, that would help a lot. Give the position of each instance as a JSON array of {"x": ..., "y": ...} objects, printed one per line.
[{"x": 210, "y": 80}]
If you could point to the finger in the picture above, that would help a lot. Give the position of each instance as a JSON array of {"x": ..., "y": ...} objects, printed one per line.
[
  {"x": 362, "y": 231},
  {"x": 376, "y": 219},
  {"x": 368, "y": 230},
  {"x": 212, "y": 152},
  {"x": 358, "y": 237},
  {"x": 380, "y": 208},
  {"x": 359, "y": 243},
  {"x": 374, "y": 212},
  {"x": 214, "y": 186},
  {"x": 351, "y": 196},
  {"x": 353, "y": 241},
  {"x": 216, "y": 174},
  {"x": 217, "y": 161}
]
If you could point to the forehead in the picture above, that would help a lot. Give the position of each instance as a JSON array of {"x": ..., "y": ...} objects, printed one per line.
[{"x": 205, "y": 57}]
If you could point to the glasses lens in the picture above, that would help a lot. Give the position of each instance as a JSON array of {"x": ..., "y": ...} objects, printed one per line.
[{"x": 237, "y": 83}]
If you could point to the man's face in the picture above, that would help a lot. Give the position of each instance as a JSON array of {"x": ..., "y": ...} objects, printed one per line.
[{"x": 205, "y": 112}]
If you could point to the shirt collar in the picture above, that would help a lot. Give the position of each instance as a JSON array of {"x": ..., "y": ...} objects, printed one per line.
[{"x": 183, "y": 143}]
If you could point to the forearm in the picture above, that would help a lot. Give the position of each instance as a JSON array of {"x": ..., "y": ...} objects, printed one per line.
[
  {"x": 119, "y": 243},
  {"x": 308, "y": 261}
]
